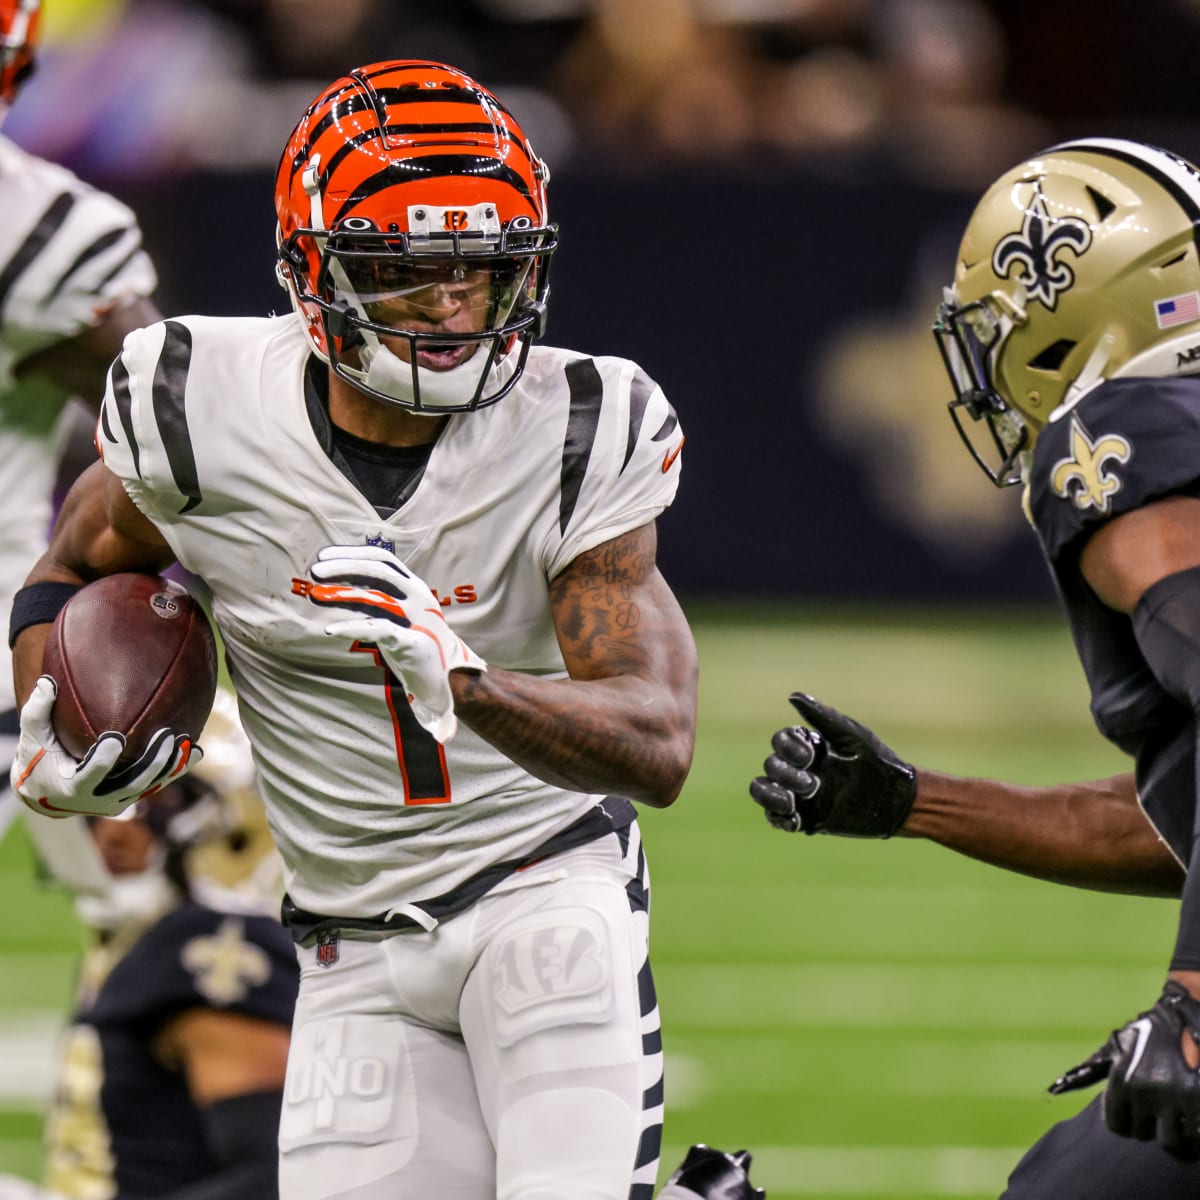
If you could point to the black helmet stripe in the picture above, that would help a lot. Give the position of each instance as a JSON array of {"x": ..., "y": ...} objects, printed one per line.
[
  {"x": 359, "y": 100},
  {"x": 301, "y": 159},
  {"x": 406, "y": 93},
  {"x": 360, "y": 139},
  {"x": 438, "y": 166},
  {"x": 1144, "y": 158}
]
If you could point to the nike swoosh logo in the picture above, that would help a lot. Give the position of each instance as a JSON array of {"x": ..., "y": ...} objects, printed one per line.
[
  {"x": 1142, "y": 1025},
  {"x": 47, "y": 809},
  {"x": 671, "y": 455}
]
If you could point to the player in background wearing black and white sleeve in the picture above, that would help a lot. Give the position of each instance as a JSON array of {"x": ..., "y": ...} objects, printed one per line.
[
  {"x": 74, "y": 280},
  {"x": 170, "y": 1074},
  {"x": 1072, "y": 334},
  {"x": 430, "y": 547}
]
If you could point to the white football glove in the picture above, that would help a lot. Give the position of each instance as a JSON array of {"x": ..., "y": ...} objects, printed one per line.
[
  {"x": 50, "y": 781},
  {"x": 403, "y": 619}
]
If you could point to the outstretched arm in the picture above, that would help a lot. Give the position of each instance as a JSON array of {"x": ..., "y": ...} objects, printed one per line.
[
  {"x": 1091, "y": 835},
  {"x": 833, "y": 775}
]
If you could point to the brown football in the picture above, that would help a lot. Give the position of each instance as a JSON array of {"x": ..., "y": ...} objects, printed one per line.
[{"x": 131, "y": 653}]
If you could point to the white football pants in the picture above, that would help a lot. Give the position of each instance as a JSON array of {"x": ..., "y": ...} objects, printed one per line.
[{"x": 512, "y": 1053}]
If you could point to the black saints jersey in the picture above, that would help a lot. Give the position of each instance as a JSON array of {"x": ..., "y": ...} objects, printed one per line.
[
  {"x": 122, "y": 1122},
  {"x": 1125, "y": 444}
]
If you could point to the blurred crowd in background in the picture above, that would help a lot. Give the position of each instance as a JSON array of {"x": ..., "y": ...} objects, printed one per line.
[
  {"x": 951, "y": 89},
  {"x": 760, "y": 201}
]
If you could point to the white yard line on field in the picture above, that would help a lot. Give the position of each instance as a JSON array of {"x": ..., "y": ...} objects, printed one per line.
[
  {"x": 28, "y": 1051},
  {"x": 926, "y": 996}
]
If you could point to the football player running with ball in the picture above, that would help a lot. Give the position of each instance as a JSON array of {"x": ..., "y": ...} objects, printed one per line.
[
  {"x": 430, "y": 546},
  {"x": 1072, "y": 336},
  {"x": 74, "y": 280}
]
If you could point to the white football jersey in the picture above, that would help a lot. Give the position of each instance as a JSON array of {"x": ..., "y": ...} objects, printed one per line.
[
  {"x": 205, "y": 422},
  {"x": 68, "y": 253}
]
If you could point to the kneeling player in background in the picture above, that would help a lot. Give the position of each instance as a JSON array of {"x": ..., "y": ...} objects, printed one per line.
[{"x": 171, "y": 1073}]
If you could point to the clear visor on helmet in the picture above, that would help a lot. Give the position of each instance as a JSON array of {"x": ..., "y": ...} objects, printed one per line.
[
  {"x": 448, "y": 296},
  {"x": 993, "y": 433},
  {"x": 437, "y": 322}
]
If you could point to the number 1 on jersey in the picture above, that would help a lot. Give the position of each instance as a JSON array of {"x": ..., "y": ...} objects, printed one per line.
[{"x": 420, "y": 756}]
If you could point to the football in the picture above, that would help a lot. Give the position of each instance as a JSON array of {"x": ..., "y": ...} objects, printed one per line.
[{"x": 131, "y": 653}]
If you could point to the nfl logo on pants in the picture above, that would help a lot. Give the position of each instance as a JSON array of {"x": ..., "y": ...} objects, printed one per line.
[{"x": 327, "y": 949}]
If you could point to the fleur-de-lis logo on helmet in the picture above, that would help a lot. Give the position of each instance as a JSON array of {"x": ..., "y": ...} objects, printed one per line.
[
  {"x": 1081, "y": 476},
  {"x": 1034, "y": 251}
]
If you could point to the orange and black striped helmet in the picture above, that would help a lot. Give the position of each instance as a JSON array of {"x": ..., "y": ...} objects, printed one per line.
[
  {"x": 19, "y": 21},
  {"x": 413, "y": 237}
]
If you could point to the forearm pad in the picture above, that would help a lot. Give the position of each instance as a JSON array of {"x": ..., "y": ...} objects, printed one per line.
[
  {"x": 1186, "y": 956},
  {"x": 1166, "y": 623}
]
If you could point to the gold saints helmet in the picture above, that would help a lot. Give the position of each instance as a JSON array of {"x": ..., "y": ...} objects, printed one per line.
[{"x": 1079, "y": 265}]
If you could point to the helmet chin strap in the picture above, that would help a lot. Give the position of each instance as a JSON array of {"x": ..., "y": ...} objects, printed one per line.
[
  {"x": 1091, "y": 374},
  {"x": 1175, "y": 356}
]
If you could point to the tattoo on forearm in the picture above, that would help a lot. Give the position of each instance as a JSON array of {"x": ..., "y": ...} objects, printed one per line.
[
  {"x": 621, "y": 634},
  {"x": 596, "y": 600},
  {"x": 586, "y": 745}
]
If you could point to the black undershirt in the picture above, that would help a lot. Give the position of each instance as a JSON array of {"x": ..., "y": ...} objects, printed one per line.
[{"x": 386, "y": 475}]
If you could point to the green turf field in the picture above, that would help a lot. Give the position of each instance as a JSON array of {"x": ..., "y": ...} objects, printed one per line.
[{"x": 871, "y": 1019}]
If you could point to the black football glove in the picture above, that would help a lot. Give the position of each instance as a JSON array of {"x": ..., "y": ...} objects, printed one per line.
[
  {"x": 835, "y": 777},
  {"x": 711, "y": 1174},
  {"x": 1152, "y": 1093}
]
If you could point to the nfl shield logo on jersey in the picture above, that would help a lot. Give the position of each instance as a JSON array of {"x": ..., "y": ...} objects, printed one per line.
[
  {"x": 382, "y": 543},
  {"x": 327, "y": 948}
]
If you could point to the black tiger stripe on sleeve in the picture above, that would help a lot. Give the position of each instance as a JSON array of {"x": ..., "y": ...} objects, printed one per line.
[
  {"x": 118, "y": 267},
  {"x": 105, "y": 426},
  {"x": 123, "y": 398},
  {"x": 586, "y": 395},
  {"x": 50, "y": 222},
  {"x": 170, "y": 411},
  {"x": 640, "y": 390},
  {"x": 668, "y": 426},
  {"x": 98, "y": 247}
]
